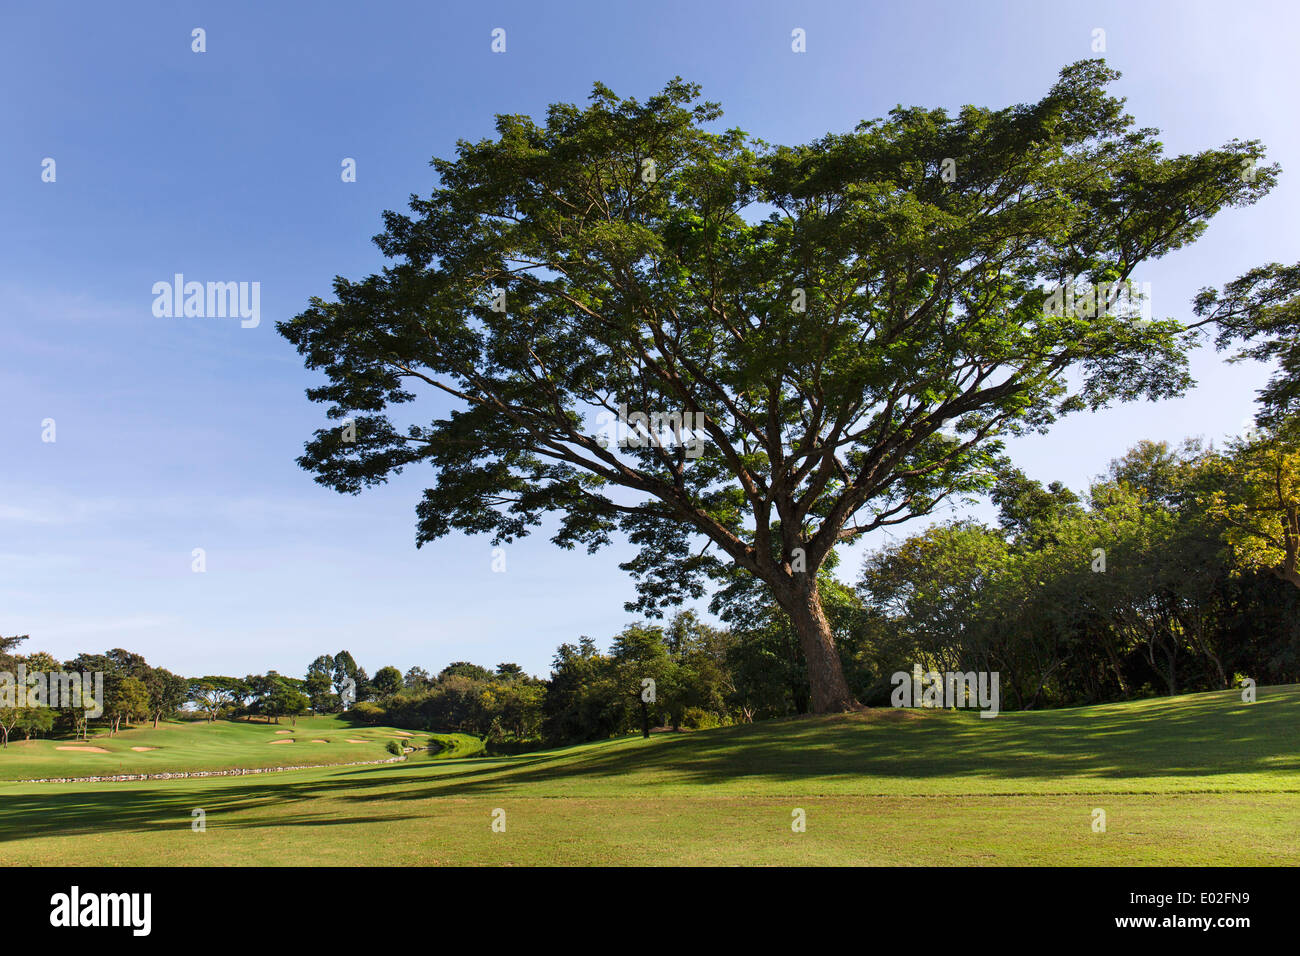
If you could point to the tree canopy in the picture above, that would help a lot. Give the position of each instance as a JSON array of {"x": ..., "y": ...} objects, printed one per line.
[{"x": 823, "y": 339}]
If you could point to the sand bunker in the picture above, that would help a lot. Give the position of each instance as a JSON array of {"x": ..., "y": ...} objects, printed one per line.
[
  {"x": 402, "y": 733},
  {"x": 274, "y": 742},
  {"x": 85, "y": 750},
  {"x": 284, "y": 731},
  {"x": 351, "y": 741},
  {"x": 143, "y": 749},
  {"x": 320, "y": 741}
]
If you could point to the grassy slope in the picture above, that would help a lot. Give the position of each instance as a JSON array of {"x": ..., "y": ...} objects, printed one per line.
[
  {"x": 1197, "y": 779},
  {"x": 182, "y": 745}
]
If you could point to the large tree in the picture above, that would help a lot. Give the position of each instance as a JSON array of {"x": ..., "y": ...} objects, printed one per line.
[
  {"x": 852, "y": 325},
  {"x": 216, "y": 693},
  {"x": 128, "y": 699},
  {"x": 167, "y": 692}
]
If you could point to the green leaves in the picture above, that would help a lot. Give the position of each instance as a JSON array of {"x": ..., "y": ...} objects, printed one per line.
[
  {"x": 1260, "y": 312},
  {"x": 553, "y": 275}
]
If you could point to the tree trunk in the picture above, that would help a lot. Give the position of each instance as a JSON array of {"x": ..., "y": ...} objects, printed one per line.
[
  {"x": 1290, "y": 570},
  {"x": 830, "y": 691},
  {"x": 1289, "y": 575},
  {"x": 1115, "y": 666}
]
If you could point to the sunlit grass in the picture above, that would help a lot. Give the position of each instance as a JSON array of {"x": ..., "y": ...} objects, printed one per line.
[{"x": 1199, "y": 779}]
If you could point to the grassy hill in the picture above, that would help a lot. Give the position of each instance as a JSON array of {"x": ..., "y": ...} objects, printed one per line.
[
  {"x": 194, "y": 745},
  {"x": 1199, "y": 779}
]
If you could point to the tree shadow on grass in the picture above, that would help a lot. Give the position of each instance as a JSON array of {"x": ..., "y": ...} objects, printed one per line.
[
  {"x": 53, "y": 811},
  {"x": 1206, "y": 736}
]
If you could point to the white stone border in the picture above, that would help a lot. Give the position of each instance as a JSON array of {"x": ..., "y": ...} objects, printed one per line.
[{"x": 238, "y": 772}]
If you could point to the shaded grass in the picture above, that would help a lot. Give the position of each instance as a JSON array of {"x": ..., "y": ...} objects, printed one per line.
[{"x": 1200, "y": 779}]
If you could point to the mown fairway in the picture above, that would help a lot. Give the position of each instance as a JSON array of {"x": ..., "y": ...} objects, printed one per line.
[
  {"x": 187, "y": 746},
  {"x": 1201, "y": 779}
]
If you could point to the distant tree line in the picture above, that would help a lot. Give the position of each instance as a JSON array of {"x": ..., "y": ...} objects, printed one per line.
[{"x": 132, "y": 691}]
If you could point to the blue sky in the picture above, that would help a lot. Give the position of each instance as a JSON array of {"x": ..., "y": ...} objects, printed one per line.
[{"x": 174, "y": 434}]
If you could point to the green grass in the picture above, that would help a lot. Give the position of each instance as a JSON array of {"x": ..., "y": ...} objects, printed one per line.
[
  {"x": 456, "y": 745},
  {"x": 195, "y": 745},
  {"x": 1200, "y": 779}
]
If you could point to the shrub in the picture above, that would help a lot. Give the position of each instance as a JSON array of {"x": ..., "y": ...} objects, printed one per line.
[
  {"x": 696, "y": 718},
  {"x": 394, "y": 748},
  {"x": 367, "y": 712}
]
